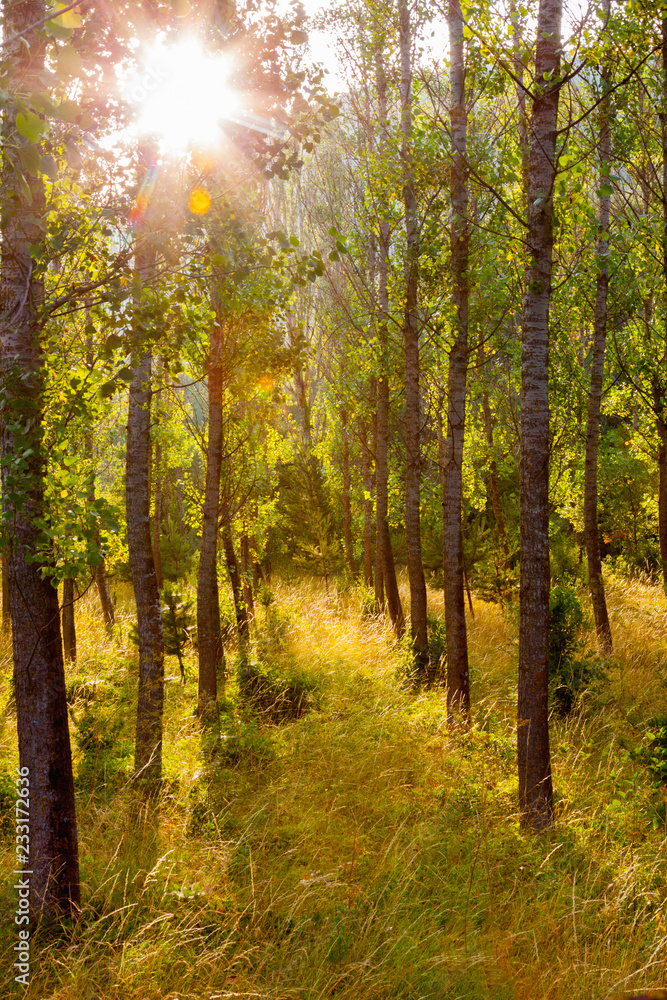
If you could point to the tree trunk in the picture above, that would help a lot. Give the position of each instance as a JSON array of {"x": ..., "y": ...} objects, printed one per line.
[
  {"x": 534, "y": 759},
  {"x": 494, "y": 488},
  {"x": 6, "y": 614},
  {"x": 592, "y": 533},
  {"x": 211, "y": 653},
  {"x": 235, "y": 580},
  {"x": 39, "y": 674},
  {"x": 660, "y": 407},
  {"x": 387, "y": 581},
  {"x": 105, "y": 597},
  {"x": 458, "y": 674},
  {"x": 347, "y": 506},
  {"x": 150, "y": 698},
  {"x": 418, "y": 624},
  {"x": 157, "y": 516},
  {"x": 367, "y": 471},
  {"x": 246, "y": 574},
  {"x": 99, "y": 572},
  {"x": 69, "y": 625}
]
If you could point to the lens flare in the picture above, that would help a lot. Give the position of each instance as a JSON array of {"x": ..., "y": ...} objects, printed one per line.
[
  {"x": 200, "y": 201},
  {"x": 182, "y": 95}
]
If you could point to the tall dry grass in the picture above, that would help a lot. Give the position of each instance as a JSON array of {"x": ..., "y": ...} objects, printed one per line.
[{"x": 366, "y": 850}]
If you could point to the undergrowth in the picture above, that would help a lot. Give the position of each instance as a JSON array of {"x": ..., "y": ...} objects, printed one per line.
[{"x": 359, "y": 849}]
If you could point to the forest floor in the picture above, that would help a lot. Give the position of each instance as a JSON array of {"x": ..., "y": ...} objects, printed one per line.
[{"x": 364, "y": 850}]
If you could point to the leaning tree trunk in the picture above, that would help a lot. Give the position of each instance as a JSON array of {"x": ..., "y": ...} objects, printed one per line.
[
  {"x": 591, "y": 529},
  {"x": 534, "y": 759},
  {"x": 69, "y": 624},
  {"x": 211, "y": 653},
  {"x": 458, "y": 675},
  {"x": 347, "y": 504},
  {"x": 150, "y": 698},
  {"x": 387, "y": 581},
  {"x": 39, "y": 674},
  {"x": 418, "y": 623}
]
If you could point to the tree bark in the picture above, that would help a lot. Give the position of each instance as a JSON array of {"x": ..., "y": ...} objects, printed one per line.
[
  {"x": 235, "y": 579},
  {"x": 105, "y": 597},
  {"x": 150, "y": 699},
  {"x": 69, "y": 624},
  {"x": 246, "y": 573},
  {"x": 39, "y": 674},
  {"x": 458, "y": 673},
  {"x": 6, "y": 615},
  {"x": 211, "y": 653},
  {"x": 591, "y": 529},
  {"x": 659, "y": 396},
  {"x": 99, "y": 572},
  {"x": 387, "y": 581},
  {"x": 367, "y": 471},
  {"x": 418, "y": 611},
  {"x": 534, "y": 759},
  {"x": 347, "y": 505},
  {"x": 157, "y": 516},
  {"x": 494, "y": 488}
]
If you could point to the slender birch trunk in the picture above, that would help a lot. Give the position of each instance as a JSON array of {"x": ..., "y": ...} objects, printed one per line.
[
  {"x": 6, "y": 615},
  {"x": 659, "y": 395},
  {"x": 246, "y": 574},
  {"x": 150, "y": 702},
  {"x": 591, "y": 529},
  {"x": 458, "y": 674},
  {"x": 211, "y": 653},
  {"x": 99, "y": 572},
  {"x": 347, "y": 503},
  {"x": 234, "y": 578},
  {"x": 418, "y": 622},
  {"x": 69, "y": 624},
  {"x": 39, "y": 673},
  {"x": 534, "y": 759},
  {"x": 157, "y": 516},
  {"x": 387, "y": 581},
  {"x": 367, "y": 472}
]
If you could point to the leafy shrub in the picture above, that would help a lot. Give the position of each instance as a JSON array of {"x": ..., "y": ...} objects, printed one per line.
[
  {"x": 99, "y": 738},
  {"x": 569, "y": 674},
  {"x": 367, "y": 605},
  {"x": 652, "y": 752},
  {"x": 7, "y": 807},
  {"x": 277, "y": 698},
  {"x": 437, "y": 649},
  {"x": 273, "y": 634}
]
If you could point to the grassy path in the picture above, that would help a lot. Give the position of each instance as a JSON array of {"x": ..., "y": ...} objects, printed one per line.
[{"x": 363, "y": 851}]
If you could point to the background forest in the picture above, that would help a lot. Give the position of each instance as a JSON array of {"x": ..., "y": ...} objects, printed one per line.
[{"x": 333, "y": 403}]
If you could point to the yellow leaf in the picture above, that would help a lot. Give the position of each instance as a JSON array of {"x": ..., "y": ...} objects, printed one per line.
[{"x": 69, "y": 20}]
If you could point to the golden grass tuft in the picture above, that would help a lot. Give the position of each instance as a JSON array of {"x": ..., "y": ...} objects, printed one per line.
[{"x": 366, "y": 850}]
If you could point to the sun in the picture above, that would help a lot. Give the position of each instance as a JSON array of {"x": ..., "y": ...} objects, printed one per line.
[{"x": 182, "y": 95}]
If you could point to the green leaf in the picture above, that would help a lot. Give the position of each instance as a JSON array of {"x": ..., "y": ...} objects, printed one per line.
[
  {"x": 31, "y": 126},
  {"x": 69, "y": 63},
  {"x": 30, "y": 159},
  {"x": 49, "y": 167}
]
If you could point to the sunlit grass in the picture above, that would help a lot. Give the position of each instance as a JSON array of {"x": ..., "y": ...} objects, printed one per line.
[{"x": 365, "y": 850}]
